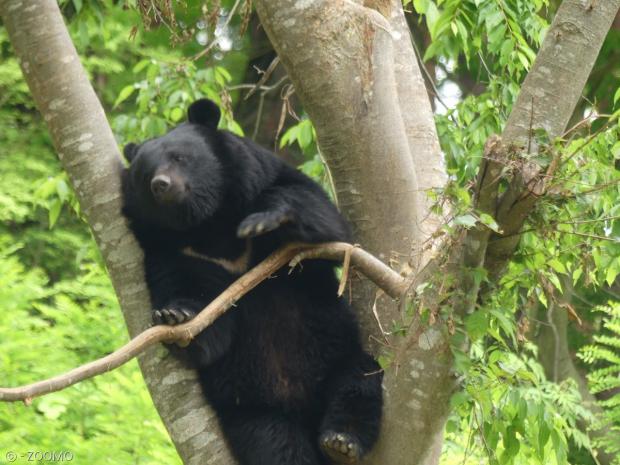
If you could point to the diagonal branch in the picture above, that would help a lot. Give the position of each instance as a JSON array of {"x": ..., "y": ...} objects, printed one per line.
[{"x": 390, "y": 281}]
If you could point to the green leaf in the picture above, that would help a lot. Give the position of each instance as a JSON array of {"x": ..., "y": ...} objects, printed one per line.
[
  {"x": 52, "y": 408},
  {"x": 432, "y": 18},
  {"x": 305, "y": 134},
  {"x": 523, "y": 59},
  {"x": 139, "y": 66},
  {"x": 124, "y": 94},
  {"x": 54, "y": 212},
  {"x": 612, "y": 272},
  {"x": 289, "y": 136},
  {"x": 476, "y": 324},
  {"x": 62, "y": 189},
  {"x": 421, "y": 6},
  {"x": 176, "y": 114},
  {"x": 555, "y": 281},
  {"x": 542, "y": 297},
  {"x": 615, "y": 150},
  {"x": 511, "y": 445},
  {"x": 543, "y": 436},
  {"x": 489, "y": 222},
  {"x": 469, "y": 221},
  {"x": 557, "y": 265}
]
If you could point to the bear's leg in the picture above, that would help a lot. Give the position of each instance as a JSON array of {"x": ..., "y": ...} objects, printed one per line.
[
  {"x": 350, "y": 426},
  {"x": 267, "y": 437}
]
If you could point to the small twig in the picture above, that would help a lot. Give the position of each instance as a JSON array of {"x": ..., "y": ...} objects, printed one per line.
[
  {"x": 262, "y": 88},
  {"x": 393, "y": 284},
  {"x": 259, "y": 115},
  {"x": 591, "y": 236},
  {"x": 345, "y": 272},
  {"x": 427, "y": 75},
  {"x": 376, "y": 315},
  {"x": 593, "y": 136},
  {"x": 265, "y": 76}
]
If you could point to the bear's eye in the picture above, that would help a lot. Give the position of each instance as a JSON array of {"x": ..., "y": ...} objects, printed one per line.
[{"x": 177, "y": 157}]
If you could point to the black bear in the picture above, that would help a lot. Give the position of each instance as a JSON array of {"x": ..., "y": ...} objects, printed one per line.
[{"x": 284, "y": 369}]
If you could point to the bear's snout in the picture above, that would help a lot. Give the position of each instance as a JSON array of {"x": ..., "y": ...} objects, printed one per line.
[
  {"x": 166, "y": 190},
  {"x": 160, "y": 184}
]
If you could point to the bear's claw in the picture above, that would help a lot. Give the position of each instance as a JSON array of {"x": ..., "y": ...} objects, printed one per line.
[
  {"x": 341, "y": 448},
  {"x": 172, "y": 316},
  {"x": 260, "y": 223}
]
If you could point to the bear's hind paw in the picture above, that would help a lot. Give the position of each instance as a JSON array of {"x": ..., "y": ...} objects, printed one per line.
[{"x": 341, "y": 448}]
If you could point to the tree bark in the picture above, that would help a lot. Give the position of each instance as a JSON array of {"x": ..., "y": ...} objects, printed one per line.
[
  {"x": 418, "y": 118},
  {"x": 89, "y": 153}
]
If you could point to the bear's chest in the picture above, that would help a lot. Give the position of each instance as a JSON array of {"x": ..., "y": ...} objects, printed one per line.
[
  {"x": 277, "y": 350},
  {"x": 235, "y": 260}
]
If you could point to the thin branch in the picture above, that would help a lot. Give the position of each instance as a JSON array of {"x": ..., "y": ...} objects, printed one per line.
[
  {"x": 389, "y": 280},
  {"x": 265, "y": 76}
]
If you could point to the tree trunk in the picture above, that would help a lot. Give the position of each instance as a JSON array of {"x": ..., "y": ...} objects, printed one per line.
[
  {"x": 355, "y": 72},
  {"x": 89, "y": 153}
]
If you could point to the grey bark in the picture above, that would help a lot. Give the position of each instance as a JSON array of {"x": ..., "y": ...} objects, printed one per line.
[
  {"x": 89, "y": 153},
  {"x": 418, "y": 118}
]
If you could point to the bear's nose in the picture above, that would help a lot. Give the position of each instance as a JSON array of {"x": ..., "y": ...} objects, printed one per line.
[{"x": 160, "y": 184}]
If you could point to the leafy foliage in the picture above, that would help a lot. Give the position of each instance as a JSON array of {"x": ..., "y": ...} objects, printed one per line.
[{"x": 604, "y": 355}]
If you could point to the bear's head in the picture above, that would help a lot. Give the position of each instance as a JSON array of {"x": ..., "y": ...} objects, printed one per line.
[{"x": 176, "y": 181}]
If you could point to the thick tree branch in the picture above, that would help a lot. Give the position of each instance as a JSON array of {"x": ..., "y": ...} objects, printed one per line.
[
  {"x": 418, "y": 118},
  {"x": 547, "y": 100},
  {"x": 390, "y": 281}
]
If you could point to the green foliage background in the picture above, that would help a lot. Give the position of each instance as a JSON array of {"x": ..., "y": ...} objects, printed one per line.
[{"x": 59, "y": 310}]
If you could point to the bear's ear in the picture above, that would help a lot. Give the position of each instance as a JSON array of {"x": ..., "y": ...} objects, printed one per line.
[
  {"x": 130, "y": 151},
  {"x": 204, "y": 112}
]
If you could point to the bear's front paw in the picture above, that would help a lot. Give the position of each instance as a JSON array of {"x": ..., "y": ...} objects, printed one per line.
[
  {"x": 341, "y": 448},
  {"x": 172, "y": 316},
  {"x": 261, "y": 223}
]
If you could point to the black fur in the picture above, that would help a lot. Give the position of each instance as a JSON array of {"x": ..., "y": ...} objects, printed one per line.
[{"x": 284, "y": 369}]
